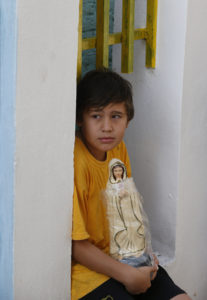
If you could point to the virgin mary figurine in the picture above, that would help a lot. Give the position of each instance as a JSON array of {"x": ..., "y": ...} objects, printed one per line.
[{"x": 129, "y": 233}]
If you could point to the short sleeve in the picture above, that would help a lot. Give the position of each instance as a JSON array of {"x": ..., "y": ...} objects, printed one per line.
[{"x": 79, "y": 231}]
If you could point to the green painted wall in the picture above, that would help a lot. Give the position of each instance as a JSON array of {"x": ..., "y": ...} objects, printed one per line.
[{"x": 89, "y": 30}]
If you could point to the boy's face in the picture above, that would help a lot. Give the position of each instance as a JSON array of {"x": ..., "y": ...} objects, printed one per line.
[{"x": 103, "y": 129}]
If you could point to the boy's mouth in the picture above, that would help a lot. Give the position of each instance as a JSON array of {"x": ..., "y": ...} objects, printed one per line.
[{"x": 106, "y": 140}]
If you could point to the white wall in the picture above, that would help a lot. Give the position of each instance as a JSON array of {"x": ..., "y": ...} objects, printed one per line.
[
  {"x": 167, "y": 140},
  {"x": 45, "y": 117},
  {"x": 154, "y": 135},
  {"x": 190, "y": 267}
]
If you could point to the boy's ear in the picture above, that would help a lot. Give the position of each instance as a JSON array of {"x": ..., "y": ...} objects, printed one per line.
[
  {"x": 79, "y": 123},
  {"x": 127, "y": 124}
]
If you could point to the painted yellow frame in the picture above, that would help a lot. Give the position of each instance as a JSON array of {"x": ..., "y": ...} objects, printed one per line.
[{"x": 103, "y": 39}]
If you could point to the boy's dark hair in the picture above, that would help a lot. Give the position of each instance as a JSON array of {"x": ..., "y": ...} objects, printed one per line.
[{"x": 98, "y": 88}]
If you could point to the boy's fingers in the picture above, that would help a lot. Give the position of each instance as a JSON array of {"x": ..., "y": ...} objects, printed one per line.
[
  {"x": 153, "y": 273},
  {"x": 154, "y": 268},
  {"x": 156, "y": 259}
]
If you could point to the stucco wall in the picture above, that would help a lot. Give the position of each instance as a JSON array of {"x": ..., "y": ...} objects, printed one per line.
[
  {"x": 153, "y": 136},
  {"x": 190, "y": 266},
  {"x": 167, "y": 139},
  {"x": 45, "y": 123}
]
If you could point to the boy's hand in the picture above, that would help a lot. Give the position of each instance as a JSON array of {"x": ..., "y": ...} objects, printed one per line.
[
  {"x": 156, "y": 263},
  {"x": 138, "y": 280}
]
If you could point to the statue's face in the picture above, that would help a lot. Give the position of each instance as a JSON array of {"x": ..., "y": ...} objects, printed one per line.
[{"x": 118, "y": 172}]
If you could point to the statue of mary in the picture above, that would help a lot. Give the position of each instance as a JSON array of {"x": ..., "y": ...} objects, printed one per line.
[{"x": 130, "y": 240}]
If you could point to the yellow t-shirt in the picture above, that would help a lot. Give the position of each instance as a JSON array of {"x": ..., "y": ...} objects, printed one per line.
[{"x": 89, "y": 219}]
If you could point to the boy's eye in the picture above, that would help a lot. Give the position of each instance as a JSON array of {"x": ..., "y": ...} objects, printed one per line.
[
  {"x": 96, "y": 116},
  {"x": 116, "y": 116}
]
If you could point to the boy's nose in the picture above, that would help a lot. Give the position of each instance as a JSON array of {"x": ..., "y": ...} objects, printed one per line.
[{"x": 107, "y": 125}]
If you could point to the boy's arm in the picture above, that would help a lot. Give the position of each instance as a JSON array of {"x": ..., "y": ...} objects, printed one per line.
[{"x": 135, "y": 280}]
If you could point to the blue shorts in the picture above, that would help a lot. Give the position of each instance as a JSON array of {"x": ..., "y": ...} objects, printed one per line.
[{"x": 162, "y": 288}]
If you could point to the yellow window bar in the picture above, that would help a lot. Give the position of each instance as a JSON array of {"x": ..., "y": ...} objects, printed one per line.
[
  {"x": 151, "y": 31},
  {"x": 102, "y": 33},
  {"x": 127, "y": 37}
]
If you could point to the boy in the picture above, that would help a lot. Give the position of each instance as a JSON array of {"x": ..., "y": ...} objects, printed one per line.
[{"x": 104, "y": 110}]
